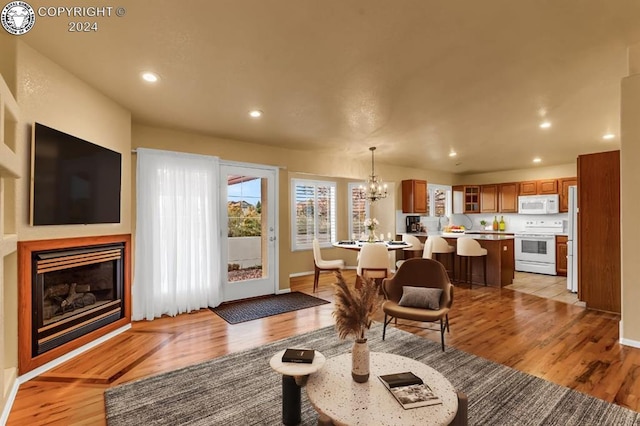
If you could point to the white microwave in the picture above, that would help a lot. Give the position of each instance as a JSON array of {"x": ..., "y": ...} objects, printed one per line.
[{"x": 538, "y": 204}]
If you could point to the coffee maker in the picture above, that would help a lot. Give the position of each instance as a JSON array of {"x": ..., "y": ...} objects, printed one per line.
[{"x": 413, "y": 224}]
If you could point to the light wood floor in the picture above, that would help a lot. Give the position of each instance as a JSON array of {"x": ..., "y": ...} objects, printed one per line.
[{"x": 560, "y": 342}]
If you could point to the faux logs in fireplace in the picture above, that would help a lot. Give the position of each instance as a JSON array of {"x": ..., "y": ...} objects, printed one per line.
[{"x": 75, "y": 290}]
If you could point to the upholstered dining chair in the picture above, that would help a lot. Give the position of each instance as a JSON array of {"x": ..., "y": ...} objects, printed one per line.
[
  {"x": 323, "y": 265},
  {"x": 419, "y": 291},
  {"x": 373, "y": 261},
  {"x": 414, "y": 251}
]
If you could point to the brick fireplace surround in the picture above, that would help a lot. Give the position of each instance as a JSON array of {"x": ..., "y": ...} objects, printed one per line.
[{"x": 27, "y": 360}]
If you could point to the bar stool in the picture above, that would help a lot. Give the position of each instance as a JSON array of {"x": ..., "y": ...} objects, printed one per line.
[
  {"x": 440, "y": 246},
  {"x": 414, "y": 251},
  {"x": 468, "y": 248}
]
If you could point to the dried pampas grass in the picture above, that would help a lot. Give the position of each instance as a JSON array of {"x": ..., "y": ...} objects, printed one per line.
[{"x": 355, "y": 307}]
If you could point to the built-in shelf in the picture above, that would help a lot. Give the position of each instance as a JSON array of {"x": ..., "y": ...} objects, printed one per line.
[
  {"x": 10, "y": 170},
  {"x": 9, "y": 244}
]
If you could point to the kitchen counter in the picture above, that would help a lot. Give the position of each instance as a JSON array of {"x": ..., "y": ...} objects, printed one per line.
[
  {"x": 500, "y": 257},
  {"x": 487, "y": 237},
  {"x": 476, "y": 235},
  {"x": 472, "y": 231}
]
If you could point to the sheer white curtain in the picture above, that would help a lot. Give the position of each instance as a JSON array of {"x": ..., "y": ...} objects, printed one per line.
[{"x": 177, "y": 245}]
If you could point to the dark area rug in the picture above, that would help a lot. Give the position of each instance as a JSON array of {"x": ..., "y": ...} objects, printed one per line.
[
  {"x": 241, "y": 388},
  {"x": 252, "y": 309}
]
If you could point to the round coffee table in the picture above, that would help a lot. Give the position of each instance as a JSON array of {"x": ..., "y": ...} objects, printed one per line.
[
  {"x": 294, "y": 376},
  {"x": 337, "y": 397}
]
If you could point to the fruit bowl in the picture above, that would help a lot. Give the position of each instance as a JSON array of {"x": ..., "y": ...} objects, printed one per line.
[{"x": 454, "y": 230}]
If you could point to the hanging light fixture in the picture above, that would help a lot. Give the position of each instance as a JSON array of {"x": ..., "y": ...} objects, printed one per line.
[{"x": 375, "y": 189}]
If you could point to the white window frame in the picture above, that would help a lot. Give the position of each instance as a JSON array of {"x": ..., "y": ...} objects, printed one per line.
[
  {"x": 351, "y": 187},
  {"x": 324, "y": 242},
  {"x": 431, "y": 189}
]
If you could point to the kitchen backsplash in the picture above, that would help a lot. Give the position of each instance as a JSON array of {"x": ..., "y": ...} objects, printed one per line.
[{"x": 514, "y": 222}]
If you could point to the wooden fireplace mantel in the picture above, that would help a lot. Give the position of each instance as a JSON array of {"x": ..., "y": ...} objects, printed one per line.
[{"x": 28, "y": 362}]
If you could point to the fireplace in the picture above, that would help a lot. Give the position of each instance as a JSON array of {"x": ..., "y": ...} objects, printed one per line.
[{"x": 72, "y": 291}]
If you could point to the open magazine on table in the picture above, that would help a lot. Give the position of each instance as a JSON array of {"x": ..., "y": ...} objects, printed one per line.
[{"x": 409, "y": 390}]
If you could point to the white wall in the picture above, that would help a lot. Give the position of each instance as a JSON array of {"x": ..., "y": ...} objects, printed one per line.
[{"x": 630, "y": 201}]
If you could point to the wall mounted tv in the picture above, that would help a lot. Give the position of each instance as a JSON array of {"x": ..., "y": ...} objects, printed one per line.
[{"x": 72, "y": 181}]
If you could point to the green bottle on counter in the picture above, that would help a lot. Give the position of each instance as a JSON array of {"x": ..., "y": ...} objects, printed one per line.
[
  {"x": 495, "y": 223},
  {"x": 502, "y": 225}
]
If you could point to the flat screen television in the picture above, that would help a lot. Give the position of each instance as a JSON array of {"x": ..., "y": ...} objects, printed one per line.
[{"x": 73, "y": 181}]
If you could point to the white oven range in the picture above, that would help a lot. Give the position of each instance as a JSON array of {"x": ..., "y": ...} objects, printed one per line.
[{"x": 535, "y": 249}]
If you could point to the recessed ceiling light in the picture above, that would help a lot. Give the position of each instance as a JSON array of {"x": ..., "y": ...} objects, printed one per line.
[
  {"x": 545, "y": 124},
  {"x": 608, "y": 136},
  {"x": 537, "y": 160},
  {"x": 256, "y": 113},
  {"x": 453, "y": 154},
  {"x": 150, "y": 77}
]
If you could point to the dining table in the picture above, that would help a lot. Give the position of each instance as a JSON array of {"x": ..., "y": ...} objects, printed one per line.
[{"x": 357, "y": 244}]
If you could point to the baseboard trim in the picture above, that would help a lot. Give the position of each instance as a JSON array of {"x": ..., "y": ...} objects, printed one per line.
[
  {"x": 627, "y": 342},
  {"x": 302, "y": 274},
  {"x": 4, "y": 418}
]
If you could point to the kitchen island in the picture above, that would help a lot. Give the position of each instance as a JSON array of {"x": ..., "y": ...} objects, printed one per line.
[{"x": 500, "y": 257}]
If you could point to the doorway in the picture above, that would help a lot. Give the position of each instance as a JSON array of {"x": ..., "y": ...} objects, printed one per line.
[{"x": 248, "y": 223}]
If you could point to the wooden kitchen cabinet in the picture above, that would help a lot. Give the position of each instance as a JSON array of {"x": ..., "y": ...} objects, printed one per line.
[
  {"x": 564, "y": 185},
  {"x": 599, "y": 266},
  {"x": 458, "y": 199},
  {"x": 508, "y": 197},
  {"x": 561, "y": 255},
  {"x": 547, "y": 186},
  {"x": 414, "y": 196},
  {"x": 539, "y": 187},
  {"x": 529, "y": 187},
  {"x": 472, "y": 199},
  {"x": 489, "y": 198}
]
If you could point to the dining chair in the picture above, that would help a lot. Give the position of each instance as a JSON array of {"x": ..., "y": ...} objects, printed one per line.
[
  {"x": 373, "y": 261},
  {"x": 323, "y": 265}
]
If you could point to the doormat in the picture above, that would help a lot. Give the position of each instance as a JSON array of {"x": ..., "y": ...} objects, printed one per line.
[{"x": 252, "y": 309}]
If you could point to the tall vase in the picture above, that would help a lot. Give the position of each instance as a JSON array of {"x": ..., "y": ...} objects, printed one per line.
[
  {"x": 360, "y": 361},
  {"x": 372, "y": 236}
]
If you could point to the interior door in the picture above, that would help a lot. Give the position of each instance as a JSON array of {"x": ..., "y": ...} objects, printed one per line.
[{"x": 248, "y": 224}]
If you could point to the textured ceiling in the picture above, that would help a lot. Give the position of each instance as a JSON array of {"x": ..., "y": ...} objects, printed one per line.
[{"x": 416, "y": 78}]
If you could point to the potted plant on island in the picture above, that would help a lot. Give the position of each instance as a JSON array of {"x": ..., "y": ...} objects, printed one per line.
[{"x": 355, "y": 306}]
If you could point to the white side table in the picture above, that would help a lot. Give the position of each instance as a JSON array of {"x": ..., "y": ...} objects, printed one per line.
[
  {"x": 294, "y": 376},
  {"x": 336, "y": 396}
]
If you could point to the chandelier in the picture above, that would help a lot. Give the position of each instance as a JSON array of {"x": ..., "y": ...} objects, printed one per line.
[{"x": 375, "y": 189}]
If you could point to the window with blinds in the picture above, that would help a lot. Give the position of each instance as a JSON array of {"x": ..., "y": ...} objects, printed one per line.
[
  {"x": 358, "y": 211},
  {"x": 313, "y": 213}
]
